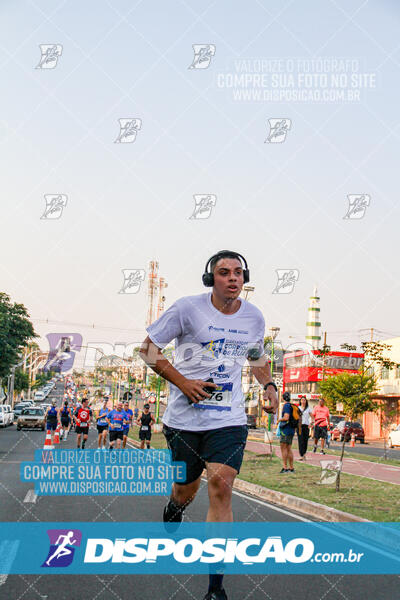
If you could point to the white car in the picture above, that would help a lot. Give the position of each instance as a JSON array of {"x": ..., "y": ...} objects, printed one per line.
[
  {"x": 394, "y": 437},
  {"x": 10, "y": 413},
  {"x": 6, "y": 415},
  {"x": 39, "y": 396}
]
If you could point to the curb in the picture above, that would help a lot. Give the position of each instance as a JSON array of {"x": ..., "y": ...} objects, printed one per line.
[{"x": 300, "y": 505}]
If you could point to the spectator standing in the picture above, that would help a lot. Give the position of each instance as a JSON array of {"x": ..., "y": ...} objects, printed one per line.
[{"x": 304, "y": 434}]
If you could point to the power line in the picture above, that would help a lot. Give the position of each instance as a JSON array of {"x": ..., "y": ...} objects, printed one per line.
[{"x": 86, "y": 325}]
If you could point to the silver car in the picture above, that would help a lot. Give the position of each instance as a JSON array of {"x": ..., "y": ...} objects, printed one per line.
[{"x": 31, "y": 417}]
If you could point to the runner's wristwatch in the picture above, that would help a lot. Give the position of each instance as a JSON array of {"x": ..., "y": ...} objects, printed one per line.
[{"x": 271, "y": 383}]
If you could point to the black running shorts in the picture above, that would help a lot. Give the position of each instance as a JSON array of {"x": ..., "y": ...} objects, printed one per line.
[
  {"x": 80, "y": 429},
  {"x": 116, "y": 435},
  {"x": 320, "y": 432},
  {"x": 224, "y": 446}
]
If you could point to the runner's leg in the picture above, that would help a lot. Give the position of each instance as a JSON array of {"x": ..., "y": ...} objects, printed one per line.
[
  {"x": 181, "y": 496},
  {"x": 220, "y": 482}
]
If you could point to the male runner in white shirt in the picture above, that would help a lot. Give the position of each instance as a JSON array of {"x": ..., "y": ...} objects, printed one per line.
[{"x": 214, "y": 334}]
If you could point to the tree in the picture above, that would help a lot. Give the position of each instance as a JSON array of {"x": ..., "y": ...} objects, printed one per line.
[
  {"x": 16, "y": 330},
  {"x": 21, "y": 381},
  {"x": 154, "y": 382},
  {"x": 354, "y": 392}
]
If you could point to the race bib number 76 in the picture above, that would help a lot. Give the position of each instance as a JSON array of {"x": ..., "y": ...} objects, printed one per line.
[{"x": 221, "y": 398}]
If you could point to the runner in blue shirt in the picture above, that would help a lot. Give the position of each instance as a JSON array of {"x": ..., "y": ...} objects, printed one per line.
[
  {"x": 116, "y": 419},
  {"x": 129, "y": 417},
  {"x": 102, "y": 425}
]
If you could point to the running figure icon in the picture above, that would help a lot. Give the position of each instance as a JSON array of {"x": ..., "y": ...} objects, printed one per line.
[{"x": 62, "y": 549}]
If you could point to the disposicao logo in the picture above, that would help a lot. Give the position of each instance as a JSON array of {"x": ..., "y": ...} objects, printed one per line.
[
  {"x": 190, "y": 550},
  {"x": 62, "y": 547}
]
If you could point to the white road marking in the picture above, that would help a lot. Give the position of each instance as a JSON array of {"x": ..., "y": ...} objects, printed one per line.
[
  {"x": 8, "y": 551},
  {"x": 30, "y": 496},
  {"x": 272, "y": 506}
]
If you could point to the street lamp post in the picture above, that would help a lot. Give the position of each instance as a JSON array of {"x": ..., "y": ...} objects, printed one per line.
[
  {"x": 274, "y": 332},
  {"x": 248, "y": 289}
]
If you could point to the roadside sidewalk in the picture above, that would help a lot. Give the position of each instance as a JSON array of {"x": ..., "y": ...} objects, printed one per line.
[{"x": 362, "y": 468}]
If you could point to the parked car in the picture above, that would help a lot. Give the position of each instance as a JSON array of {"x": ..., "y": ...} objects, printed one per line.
[
  {"x": 335, "y": 419},
  {"x": 345, "y": 429},
  {"x": 18, "y": 408},
  {"x": 394, "y": 437},
  {"x": 32, "y": 418},
  {"x": 10, "y": 413},
  {"x": 39, "y": 395},
  {"x": 6, "y": 415},
  {"x": 251, "y": 421}
]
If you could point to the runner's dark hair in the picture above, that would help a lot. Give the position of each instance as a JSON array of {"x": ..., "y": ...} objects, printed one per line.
[{"x": 225, "y": 254}]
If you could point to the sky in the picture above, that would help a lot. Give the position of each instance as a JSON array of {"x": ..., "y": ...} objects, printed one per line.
[{"x": 280, "y": 201}]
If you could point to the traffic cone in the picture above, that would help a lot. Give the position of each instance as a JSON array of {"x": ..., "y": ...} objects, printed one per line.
[
  {"x": 353, "y": 440},
  {"x": 56, "y": 439},
  {"x": 47, "y": 444}
]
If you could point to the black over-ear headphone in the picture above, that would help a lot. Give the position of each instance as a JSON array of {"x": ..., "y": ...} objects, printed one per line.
[{"x": 208, "y": 278}]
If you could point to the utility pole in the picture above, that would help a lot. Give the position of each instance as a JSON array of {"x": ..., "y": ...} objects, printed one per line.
[
  {"x": 372, "y": 334},
  {"x": 323, "y": 358}
]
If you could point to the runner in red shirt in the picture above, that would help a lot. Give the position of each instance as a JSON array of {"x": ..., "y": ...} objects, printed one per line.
[
  {"x": 83, "y": 415},
  {"x": 321, "y": 420}
]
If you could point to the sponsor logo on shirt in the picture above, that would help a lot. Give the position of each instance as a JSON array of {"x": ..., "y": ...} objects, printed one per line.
[{"x": 225, "y": 347}]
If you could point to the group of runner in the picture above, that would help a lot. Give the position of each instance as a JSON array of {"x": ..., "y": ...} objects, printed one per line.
[{"x": 116, "y": 422}]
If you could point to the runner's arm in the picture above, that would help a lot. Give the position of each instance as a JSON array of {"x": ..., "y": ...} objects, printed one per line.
[
  {"x": 191, "y": 388},
  {"x": 263, "y": 375}
]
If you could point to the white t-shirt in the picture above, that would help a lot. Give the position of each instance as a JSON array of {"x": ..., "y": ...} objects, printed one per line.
[
  {"x": 208, "y": 344},
  {"x": 305, "y": 416}
]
